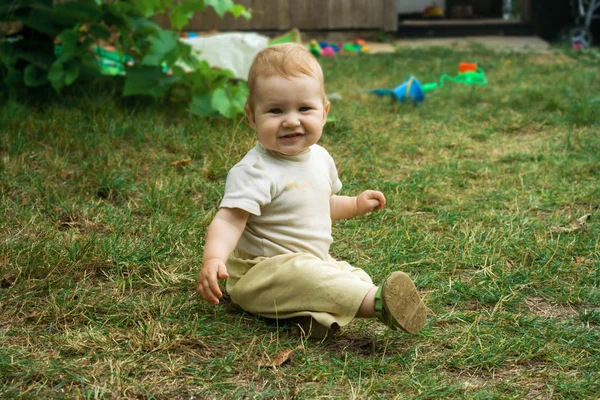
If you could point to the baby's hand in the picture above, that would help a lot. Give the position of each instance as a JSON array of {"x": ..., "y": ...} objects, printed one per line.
[
  {"x": 369, "y": 201},
  {"x": 208, "y": 284}
]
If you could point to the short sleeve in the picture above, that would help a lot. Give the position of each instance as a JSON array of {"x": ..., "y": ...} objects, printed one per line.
[
  {"x": 248, "y": 188},
  {"x": 336, "y": 184}
]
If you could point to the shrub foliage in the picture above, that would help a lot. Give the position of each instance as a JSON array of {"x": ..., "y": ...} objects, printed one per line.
[{"x": 52, "y": 44}]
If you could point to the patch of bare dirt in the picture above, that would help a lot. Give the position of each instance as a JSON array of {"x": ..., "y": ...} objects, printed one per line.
[
  {"x": 82, "y": 224},
  {"x": 544, "y": 309},
  {"x": 532, "y": 377}
]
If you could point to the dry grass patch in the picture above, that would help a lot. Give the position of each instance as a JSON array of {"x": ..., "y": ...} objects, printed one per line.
[
  {"x": 553, "y": 58},
  {"x": 531, "y": 378},
  {"x": 545, "y": 309}
]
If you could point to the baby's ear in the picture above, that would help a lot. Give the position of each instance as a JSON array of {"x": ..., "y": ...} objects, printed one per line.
[
  {"x": 325, "y": 112},
  {"x": 250, "y": 115}
]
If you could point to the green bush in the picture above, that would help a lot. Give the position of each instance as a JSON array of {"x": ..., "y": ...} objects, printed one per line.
[{"x": 53, "y": 45}]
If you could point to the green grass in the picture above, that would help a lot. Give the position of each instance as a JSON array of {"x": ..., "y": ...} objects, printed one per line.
[{"x": 101, "y": 240}]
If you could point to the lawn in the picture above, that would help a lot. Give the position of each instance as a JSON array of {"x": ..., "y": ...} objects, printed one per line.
[{"x": 493, "y": 208}]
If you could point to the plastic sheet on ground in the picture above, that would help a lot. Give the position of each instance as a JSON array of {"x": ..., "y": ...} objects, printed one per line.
[{"x": 233, "y": 51}]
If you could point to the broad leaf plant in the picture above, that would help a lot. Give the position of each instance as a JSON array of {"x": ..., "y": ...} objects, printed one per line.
[{"x": 46, "y": 42}]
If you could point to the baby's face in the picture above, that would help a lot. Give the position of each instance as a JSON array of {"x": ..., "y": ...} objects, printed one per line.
[{"x": 289, "y": 113}]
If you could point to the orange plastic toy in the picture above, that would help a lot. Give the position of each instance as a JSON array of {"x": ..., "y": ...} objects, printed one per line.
[{"x": 467, "y": 67}]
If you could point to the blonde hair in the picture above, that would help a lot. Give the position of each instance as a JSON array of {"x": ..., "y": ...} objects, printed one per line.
[{"x": 286, "y": 60}]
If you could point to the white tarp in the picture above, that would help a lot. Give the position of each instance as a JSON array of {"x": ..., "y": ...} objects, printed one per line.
[{"x": 233, "y": 51}]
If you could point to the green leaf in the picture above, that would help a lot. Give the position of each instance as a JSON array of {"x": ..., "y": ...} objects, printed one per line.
[
  {"x": 201, "y": 104},
  {"x": 179, "y": 18},
  {"x": 13, "y": 78},
  {"x": 230, "y": 100},
  {"x": 220, "y": 6},
  {"x": 69, "y": 40},
  {"x": 182, "y": 12},
  {"x": 39, "y": 56},
  {"x": 239, "y": 10},
  {"x": 163, "y": 47},
  {"x": 71, "y": 13},
  {"x": 34, "y": 76},
  {"x": 147, "y": 80},
  {"x": 7, "y": 56},
  {"x": 56, "y": 75},
  {"x": 148, "y": 7},
  {"x": 143, "y": 26},
  {"x": 71, "y": 74},
  {"x": 119, "y": 14},
  {"x": 40, "y": 19},
  {"x": 204, "y": 69},
  {"x": 100, "y": 31},
  {"x": 221, "y": 103},
  {"x": 177, "y": 70},
  {"x": 142, "y": 80},
  {"x": 240, "y": 97}
]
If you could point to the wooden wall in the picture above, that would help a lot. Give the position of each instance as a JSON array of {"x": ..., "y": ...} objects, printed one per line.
[{"x": 282, "y": 15}]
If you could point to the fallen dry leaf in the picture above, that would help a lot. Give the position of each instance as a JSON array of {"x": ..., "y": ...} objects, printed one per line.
[
  {"x": 181, "y": 163},
  {"x": 578, "y": 225},
  {"x": 280, "y": 358},
  {"x": 581, "y": 221}
]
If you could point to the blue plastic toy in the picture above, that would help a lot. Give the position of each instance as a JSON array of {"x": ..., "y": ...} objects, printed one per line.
[{"x": 412, "y": 90}]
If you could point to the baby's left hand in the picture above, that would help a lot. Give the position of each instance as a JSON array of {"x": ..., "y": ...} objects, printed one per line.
[{"x": 369, "y": 201}]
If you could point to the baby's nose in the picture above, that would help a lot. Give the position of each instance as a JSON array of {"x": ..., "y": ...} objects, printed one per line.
[{"x": 291, "y": 121}]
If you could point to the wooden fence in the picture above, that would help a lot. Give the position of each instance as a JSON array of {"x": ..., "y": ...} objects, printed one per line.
[{"x": 282, "y": 15}]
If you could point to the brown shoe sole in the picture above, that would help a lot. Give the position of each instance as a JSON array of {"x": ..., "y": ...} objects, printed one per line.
[{"x": 402, "y": 301}]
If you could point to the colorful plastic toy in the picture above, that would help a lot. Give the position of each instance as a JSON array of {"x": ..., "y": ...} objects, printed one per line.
[
  {"x": 322, "y": 48},
  {"x": 351, "y": 47},
  {"x": 109, "y": 60},
  {"x": 412, "y": 90},
  {"x": 314, "y": 48},
  {"x": 469, "y": 77},
  {"x": 327, "y": 51},
  {"x": 433, "y": 12},
  {"x": 467, "y": 67}
]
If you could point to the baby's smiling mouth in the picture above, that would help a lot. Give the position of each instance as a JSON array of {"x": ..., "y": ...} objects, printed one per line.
[{"x": 291, "y": 135}]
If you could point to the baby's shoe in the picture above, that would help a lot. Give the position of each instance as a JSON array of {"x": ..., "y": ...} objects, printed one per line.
[
  {"x": 310, "y": 328},
  {"x": 398, "y": 305}
]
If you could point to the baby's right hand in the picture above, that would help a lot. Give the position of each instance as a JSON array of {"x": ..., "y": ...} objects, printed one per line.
[{"x": 208, "y": 284}]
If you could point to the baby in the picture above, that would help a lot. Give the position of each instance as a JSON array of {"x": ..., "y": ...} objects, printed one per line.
[{"x": 271, "y": 235}]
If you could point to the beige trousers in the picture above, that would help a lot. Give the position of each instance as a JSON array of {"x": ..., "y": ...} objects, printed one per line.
[{"x": 294, "y": 285}]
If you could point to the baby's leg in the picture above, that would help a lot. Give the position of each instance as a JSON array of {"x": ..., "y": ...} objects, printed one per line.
[
  {"x": 367, "y": 307},
  {"x": 295, "y": 285}
]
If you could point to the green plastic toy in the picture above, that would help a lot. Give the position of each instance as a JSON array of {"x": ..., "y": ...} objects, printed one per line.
[
  {"x": 476, "y": 77},
  {"x": 110, "y": 62}
]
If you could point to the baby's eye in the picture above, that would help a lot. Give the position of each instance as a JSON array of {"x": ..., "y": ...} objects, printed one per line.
[
  {"x": 275, "y": 111},
  {"x": 303, "y": 109}
]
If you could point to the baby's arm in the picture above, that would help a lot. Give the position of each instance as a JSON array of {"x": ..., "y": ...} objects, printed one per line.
[
  {"x": 343, "y": 207},
  {"x": 223, "y": 234}
]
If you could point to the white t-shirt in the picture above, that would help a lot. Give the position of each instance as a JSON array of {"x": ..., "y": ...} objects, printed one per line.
[{"x": 288, "y": 201}]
